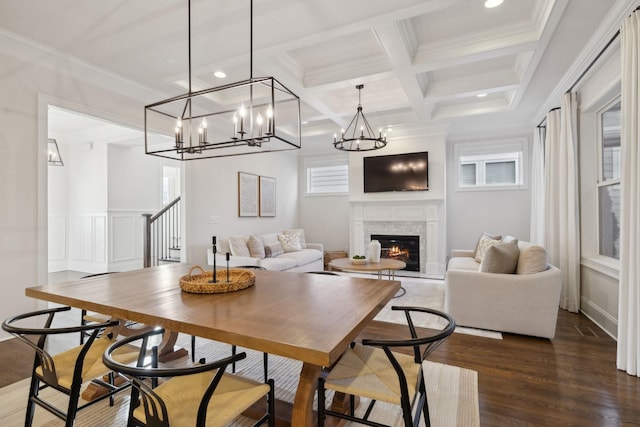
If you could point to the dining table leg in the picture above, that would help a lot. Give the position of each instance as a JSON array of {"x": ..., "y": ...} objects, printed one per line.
[{"x": 302, "y": 412}]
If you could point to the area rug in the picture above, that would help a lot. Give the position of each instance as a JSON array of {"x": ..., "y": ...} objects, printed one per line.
[
  {"x": 452, "y": 391},
  {"x": 421, "y": 292}
]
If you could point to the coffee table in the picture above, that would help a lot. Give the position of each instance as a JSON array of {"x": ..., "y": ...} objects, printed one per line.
[{"x": 391, "y": 265}]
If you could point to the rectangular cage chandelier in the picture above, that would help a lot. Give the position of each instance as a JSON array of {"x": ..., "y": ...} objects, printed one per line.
[{"x": 251, "y": 116}]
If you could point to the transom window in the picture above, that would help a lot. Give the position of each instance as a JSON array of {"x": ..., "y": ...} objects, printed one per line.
[
  {"x": 326, "y": 177},
  {"x": 490, "y": 166}
]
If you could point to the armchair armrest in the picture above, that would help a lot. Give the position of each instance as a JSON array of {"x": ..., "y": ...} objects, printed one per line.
[{"x": 456, "y": 253}]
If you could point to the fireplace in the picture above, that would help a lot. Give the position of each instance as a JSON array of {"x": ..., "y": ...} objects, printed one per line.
[{"x": 402, "y": 248}]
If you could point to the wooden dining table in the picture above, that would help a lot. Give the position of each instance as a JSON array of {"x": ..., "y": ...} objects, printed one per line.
[{"x": 308, "y": 317}]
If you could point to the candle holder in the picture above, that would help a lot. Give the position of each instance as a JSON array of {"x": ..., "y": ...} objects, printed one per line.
[{"x": 214, "y": 279}]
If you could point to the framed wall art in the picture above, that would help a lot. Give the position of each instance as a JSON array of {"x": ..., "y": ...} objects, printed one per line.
[
  {"x": 267, "y": 196},
  {"x": 247, "y": 194}
]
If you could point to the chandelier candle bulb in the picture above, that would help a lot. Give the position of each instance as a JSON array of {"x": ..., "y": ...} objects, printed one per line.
[
  {"x": 270, "y": 120},
  {"x": 259, "y": 121}
]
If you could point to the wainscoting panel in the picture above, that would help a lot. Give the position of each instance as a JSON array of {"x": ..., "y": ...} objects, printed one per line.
[
  {"x": 99, "y": 239},
  {"x": 57, "y": 241},
  {"x": 123, "y": 240}
]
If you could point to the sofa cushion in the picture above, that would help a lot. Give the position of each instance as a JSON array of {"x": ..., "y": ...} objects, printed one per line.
[
  {"x": 304, "y": 256},
  {"x": 533, "y": 259},
  {"x": 300, "y": 233},
  {"x": 484, "y": 244},
  {"x": 238, "y": 246},
  {"x": 277, "y": 264},
  {"x": 463, "y": 263},
  {"x": 273, "y": 250},
  {"x": 501, "y": 258},
  {"x": 485, "y": 235},
  {"x": 256, "y": 247},
  {"x": 290, "y": 242}
]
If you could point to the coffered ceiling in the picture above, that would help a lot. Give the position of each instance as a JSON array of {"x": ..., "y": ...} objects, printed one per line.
[{"x": 424, "y": 63}]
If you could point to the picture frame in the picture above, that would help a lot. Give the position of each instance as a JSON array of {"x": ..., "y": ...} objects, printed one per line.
[
  {"x": 247, "y": 194},
  {"x": 267, "y": 196}
]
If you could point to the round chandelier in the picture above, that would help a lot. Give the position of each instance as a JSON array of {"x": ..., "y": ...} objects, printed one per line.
[{"x": 359, "y": 136}]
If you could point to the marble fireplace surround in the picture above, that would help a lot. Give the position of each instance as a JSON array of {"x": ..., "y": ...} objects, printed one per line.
[{"x": 423, "y": 218}]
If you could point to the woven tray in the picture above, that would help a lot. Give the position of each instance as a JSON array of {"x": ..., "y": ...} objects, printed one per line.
[{"x": 199, "y": 283}]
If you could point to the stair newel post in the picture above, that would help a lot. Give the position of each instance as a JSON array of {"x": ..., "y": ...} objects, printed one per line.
[{"x": 146, "y": 244}]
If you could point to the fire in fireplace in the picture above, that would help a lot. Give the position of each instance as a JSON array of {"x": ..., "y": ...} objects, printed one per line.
[{"x": 403, "y": 248}]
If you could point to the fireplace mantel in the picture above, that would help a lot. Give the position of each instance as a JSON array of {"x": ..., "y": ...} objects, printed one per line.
[{"x": 423, "y": 217}]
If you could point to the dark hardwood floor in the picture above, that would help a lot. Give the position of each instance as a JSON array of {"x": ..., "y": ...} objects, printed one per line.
[{"x": 571, "y": 380}]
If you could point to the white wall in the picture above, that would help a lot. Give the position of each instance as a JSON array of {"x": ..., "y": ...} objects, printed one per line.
[
  {"x": 326, "y": 218},
  {"x": 470, "y": 213},
  {"x": 211, "y": 199},
  {"x": 135, "y": 179},
  {"x": 23, "y": 146}
]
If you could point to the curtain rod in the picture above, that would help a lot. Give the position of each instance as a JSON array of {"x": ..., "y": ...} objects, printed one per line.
[
  {"x": 545, "y": 118},
  {"x": 591, "y": 64}
]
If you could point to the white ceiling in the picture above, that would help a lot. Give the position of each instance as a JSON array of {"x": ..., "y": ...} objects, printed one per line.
[{"x": 423, "y": 62}]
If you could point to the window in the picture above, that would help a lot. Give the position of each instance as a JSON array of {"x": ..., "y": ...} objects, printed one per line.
[
  {"x": 609, "y": 181},
  {"x": 490, "y": 166},
  {"x": 326, "y": 177}
]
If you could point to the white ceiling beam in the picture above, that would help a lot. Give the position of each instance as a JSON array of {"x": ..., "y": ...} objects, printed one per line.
[{"x": 396, "y": 49}]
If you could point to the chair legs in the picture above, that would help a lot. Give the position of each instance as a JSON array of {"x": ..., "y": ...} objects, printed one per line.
[{"x": 406, "y": 408}]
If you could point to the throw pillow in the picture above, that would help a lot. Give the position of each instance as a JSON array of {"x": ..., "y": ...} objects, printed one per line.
[
  {"x": 256, "y": 247},
  {"x": 484, "y": 244},
  {"x": 533, "y": 259},
  {"x": 300, "y": 233},
  {"x": 501, "y": 258},
  {"x": 273, "y": 250},
  {"x": 290, "y": 242},
  {"x": 485, "y": 235},
  {"x": 238, "y": 246}
]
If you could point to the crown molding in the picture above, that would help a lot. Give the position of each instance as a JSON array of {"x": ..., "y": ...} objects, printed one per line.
[{"x": 37, "y": 54}]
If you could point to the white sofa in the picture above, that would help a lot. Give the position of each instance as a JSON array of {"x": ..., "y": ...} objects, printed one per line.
[
  {"x": 308, "y": 258},
  {"x": 524, "y": 304}
]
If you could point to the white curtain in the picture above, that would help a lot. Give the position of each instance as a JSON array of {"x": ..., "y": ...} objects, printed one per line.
[
  {"x": 629, "y": 286},
  {"x": 537, "y": 188},
  {"x": 561, "y": 199}
]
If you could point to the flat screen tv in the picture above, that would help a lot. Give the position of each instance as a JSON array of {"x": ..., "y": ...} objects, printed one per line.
[{"x": 397, "y": 172}]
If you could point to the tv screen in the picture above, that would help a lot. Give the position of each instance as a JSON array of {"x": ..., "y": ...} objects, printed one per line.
[{"x": 397, "y": 172}]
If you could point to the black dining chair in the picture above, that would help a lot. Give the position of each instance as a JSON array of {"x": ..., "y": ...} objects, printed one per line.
[
  {"x": 364, "y": 370},
  {"x": 198, "y": 395},
  {"x": 68, "y": 370}
]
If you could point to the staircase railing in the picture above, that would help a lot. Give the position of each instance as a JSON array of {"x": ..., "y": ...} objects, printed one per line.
[{"x": 163, "y": 235}]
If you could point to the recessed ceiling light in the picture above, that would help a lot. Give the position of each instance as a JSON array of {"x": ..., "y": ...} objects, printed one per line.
[
  {"x": 304, "y": 123},
  {"x": 220, "y": 74},
  {"x": 492, "y": 3},
  {"x": 481, "y": 95}
]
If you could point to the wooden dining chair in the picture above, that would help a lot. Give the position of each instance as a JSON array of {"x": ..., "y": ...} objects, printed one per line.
[
  {"x": 198, "y": 395},
  {"x": 372, "y": 370},
  {"x": 67, "y": 371}
]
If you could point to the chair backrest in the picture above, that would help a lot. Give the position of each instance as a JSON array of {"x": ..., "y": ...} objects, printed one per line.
[
  {"x": 430, "y": 342},
  {"x": 155, "y": 409},
  {"x": 43, "y": 358}
]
